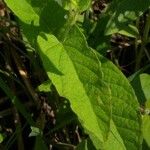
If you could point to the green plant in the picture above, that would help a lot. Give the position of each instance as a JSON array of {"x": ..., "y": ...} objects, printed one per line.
[{"x": 102, "y": 101}]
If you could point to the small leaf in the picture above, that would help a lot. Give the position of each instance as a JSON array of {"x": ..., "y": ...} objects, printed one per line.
[
  {"x": 141, "y": 85},
  {"x": 35, "y": 131},
  {"x": 130, "y": 31},
  {"x": 140, "y": 71},
  {"x": 45, "y": 86},
  {"x": 41, "y": 19},
  {"x": 2, "y": 137},
  {"x": 145, "y": 84}
]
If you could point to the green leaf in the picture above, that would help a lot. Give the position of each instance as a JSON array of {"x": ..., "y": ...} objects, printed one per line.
[
  {"x": 35, "y": 131},
  {"x": 96, "y": 89},
  {"x": 23, "y": 9},
  {"x": 129, "y": 30},
  {"x": 94, "y": 85},
  {"x": 82, "y": 4},
  {"x": 30, "y": 22},
  {"x": 125, "y": 108},
  {"x": 146, "y": 128},
  {"x": 2, "y": 136},
  {"x": 124, "y": 13},
  {"x": 72, "y": 82},
  {"x": 79, "y": 5},
  {"x": 41, "y": 19},
  {"x": 141, "y": 85},
  {"x": 45, "y": 86},
  {"x": 114, "y": 139},
  {"x": 145, "y": 84}
]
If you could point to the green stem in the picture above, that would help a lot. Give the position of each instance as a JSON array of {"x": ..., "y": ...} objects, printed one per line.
[
  {"x": 17, "y": 122},
  {"x": 144, "y": 42}
]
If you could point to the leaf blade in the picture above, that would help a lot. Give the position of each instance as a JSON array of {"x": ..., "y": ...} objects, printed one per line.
[{"x": 65, "y": 83}]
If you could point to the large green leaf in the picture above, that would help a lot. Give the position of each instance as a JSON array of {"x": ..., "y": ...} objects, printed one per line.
[
  {"x": 77, "y": 77},
  {"x": 2, "y": 137},
  {"x": 94, "y": 86},
  {"x": 124, "y": 13}
]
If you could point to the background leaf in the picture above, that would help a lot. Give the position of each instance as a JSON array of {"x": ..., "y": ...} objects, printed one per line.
[
  {"x": 124, "y": 12},
  {"x": 145, "y": 87},
  {"x": 79, "y": 5},
  {"x": 2, "y": 137},
  {"x": 145, "y": 84}
]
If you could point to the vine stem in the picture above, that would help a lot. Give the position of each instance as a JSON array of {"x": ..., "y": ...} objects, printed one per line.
[{"x": 144, "y": 42}]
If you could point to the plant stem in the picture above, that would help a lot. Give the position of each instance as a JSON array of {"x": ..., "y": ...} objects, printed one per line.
[
  {"x": 17, "y": 123},
  {"x": 23, "y": 73},
  {"x": 144, "y": 42}
]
